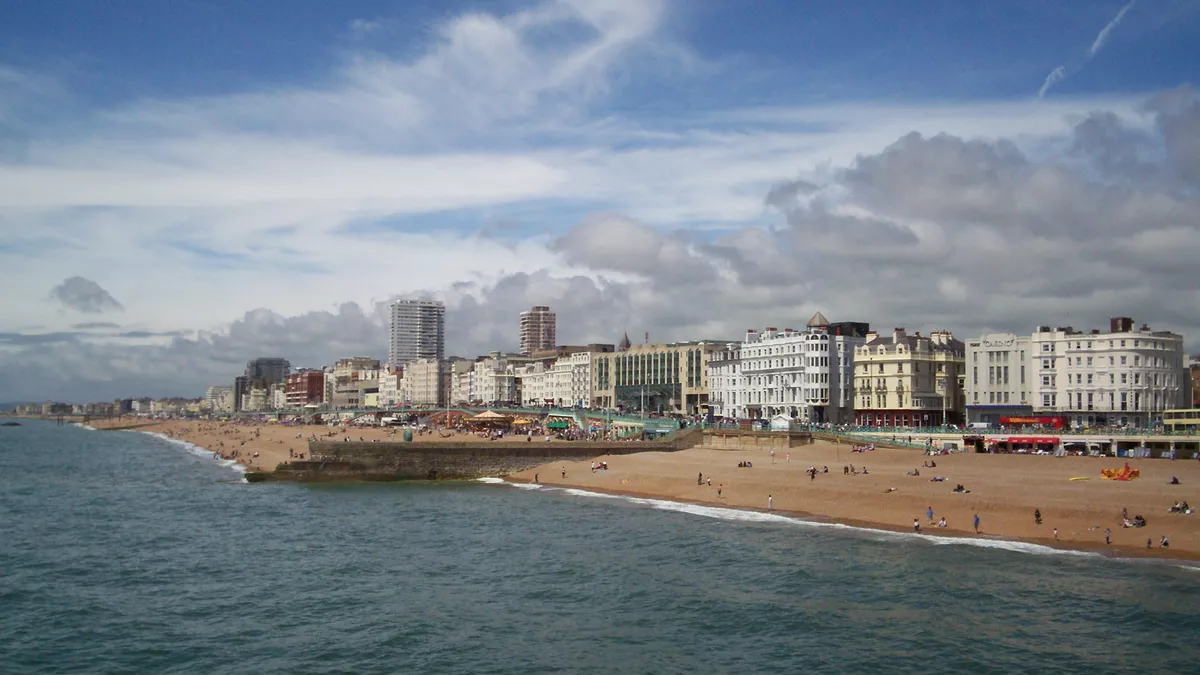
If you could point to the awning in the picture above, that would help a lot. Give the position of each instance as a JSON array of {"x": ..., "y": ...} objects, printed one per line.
[
  {"x": 1033, "y": 440},
  {"x": 557, "y": 425}
]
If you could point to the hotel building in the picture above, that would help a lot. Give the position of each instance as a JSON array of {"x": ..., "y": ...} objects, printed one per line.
[
  {"x": 903, "y": 380},
  {"x": 1124, "y": 377},
  {"x": 657, "y": 377},
  {"x": 806, "y": 375}
]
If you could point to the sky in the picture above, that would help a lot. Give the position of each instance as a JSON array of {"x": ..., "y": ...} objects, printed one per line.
[{"x": 185, "y": 186}]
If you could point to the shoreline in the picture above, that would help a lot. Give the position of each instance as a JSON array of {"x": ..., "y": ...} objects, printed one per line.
[
  {"x": 1002, "y": 490},
  {"x": 1114, "y": 552}
]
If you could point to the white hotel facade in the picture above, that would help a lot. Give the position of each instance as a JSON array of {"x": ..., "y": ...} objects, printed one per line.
[
  {"x": 1124, "y": 377},
  {"x": 807, "y": 375}
]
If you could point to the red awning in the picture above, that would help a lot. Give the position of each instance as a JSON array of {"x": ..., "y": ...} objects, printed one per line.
[{"x": 1032, "y": 440}]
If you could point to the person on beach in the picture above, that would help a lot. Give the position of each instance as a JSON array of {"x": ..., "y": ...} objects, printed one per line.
[
  {"x": 700, "y": 478},
  {"x": 1163, "y": 543},
  {"x": 719, "y": 489},
  {"x": 976, "y": 523},
  {"x": 1037, "y": 516},
  {"x": 770, "y": 503},
  {"x": 1056, "y": 534},
  {"x": 929, "y": 512},
  {"x": 942, "y": 522},
  {"x": 564, "y": 472},
  {"x": 772, "y": 456},
  {"x": 1107, "y": 536},
  {"x": 710, "y": 481},
  {"x": 917, "y": 525},
  {"x": 1149, "y": 543},
  {"x": 536, "y": 478}
]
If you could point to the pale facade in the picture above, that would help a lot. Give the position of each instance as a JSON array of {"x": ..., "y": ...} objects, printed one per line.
[
  {"x": 1126, "y": 376},
  {"x": 654, "y": 377},
  {"x": 462, "y": 386},
  {"x": 425, "y": 382},
  {"x": 903, "y": 380},
  {"x": 495, "y": 379},
  {"x": 418, "y": 331},
  {"x": 805, "y": 375},
  {"x": 997, "y": 377},
  {"x": 389, "y": 387}
]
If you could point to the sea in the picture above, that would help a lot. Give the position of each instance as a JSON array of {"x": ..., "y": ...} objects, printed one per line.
[{"x": 123, "y": 552}]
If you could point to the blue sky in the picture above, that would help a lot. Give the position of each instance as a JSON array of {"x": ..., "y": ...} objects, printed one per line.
[
  {"x": 773, "y": 51},
  {"x": 230, "y": 170}
]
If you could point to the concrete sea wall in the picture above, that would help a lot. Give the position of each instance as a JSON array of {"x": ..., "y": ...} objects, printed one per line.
[{"x": 333, "y": 461}]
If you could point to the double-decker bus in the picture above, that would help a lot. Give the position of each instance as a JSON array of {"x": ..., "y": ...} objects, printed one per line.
[{"x": 1181, "y": 421}]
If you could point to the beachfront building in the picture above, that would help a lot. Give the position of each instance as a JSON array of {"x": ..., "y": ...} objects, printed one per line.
[
  {"x": 304, "y": 387},
  {"x": 425, "y": 382},
  {"x": 537, "y": 330},
  {"x": 418, "y": 331},
  {"x": 1125, "y": 377},
  {"x": 805, "y": 375},
  {"x": 663, "y": 377},
  {"x": 219, "y": 399},
  {"x": 389, "y": 386},
  {"x": 997, "y": 378},
  {"x": 535, "y": 384},
  {"x": 462, "y": 384},
  {"x": 903, "y": 380},
  {"x": 353, "y": 378},
  {"x": 495, "y": 379}
]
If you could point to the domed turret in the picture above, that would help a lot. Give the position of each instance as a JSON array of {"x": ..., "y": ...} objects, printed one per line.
[{"x": 818, "y": 320}]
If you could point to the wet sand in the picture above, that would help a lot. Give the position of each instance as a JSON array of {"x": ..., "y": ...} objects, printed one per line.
[{"x": 1004, "y": 491}]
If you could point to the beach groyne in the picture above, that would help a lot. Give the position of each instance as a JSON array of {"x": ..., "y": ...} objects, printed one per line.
[
  {"x": 469, "y": 459},
  {"x": 477, "y": 458}
]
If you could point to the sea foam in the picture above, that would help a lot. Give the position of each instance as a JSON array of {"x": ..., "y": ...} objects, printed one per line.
[
  {"x": 198, "y": 451},
  {"x": 749, "y": 516}
]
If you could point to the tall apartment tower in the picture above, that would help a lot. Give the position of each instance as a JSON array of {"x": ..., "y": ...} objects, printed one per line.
[
  {"x": 537, "y": 330},
  {"x": 418, "y": 331}
]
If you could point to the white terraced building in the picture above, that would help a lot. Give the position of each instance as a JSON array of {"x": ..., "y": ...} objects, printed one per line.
[
  {"x": 807, "y": 375},
  {"x": 1123, "y": 377}
]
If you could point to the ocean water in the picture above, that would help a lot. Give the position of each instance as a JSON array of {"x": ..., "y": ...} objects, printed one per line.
[{"x": 123, "y": 552}]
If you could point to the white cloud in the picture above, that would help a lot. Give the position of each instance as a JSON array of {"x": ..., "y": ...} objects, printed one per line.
[{"x": 370, "y": 183}]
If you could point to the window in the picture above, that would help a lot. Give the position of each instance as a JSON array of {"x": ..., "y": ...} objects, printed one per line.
[
  {"x": 1123, "y": 378},
  {"x": 1006, "y": 397},
  {"x": 1046, "y": 346},
  {"x": 1045, "y": 380},
  {"x": 1137, "y": 360},
  {"x": 991, "y": 397},
  {"x": 1137, "y": 378},
  {"x": 1079, "y": 360},
  {"x": 1089, "y": 378},
  {"x": 1045, "y": 364},
  {"x": 1046, "y": 400},
  {"x": 1122, "y": 343},
  {"x": 1122, "y": 360},
  {"x": 1089, "y": 361}
]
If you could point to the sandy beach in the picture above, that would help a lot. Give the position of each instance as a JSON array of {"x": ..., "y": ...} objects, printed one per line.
[{"x": 1004, "y": 490}]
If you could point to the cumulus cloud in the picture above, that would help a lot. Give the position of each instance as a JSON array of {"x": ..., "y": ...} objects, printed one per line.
[{"x": 84, "y": 295}]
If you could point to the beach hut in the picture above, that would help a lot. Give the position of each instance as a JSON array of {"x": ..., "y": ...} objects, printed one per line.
[{"x": 781, "y": 423}]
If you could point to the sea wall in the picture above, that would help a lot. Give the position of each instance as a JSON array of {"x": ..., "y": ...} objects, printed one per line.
[
  {"x": 339, "y": 461},
  {"x": 333, "y": 461},
  {"x": 734, "y": 439}
]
